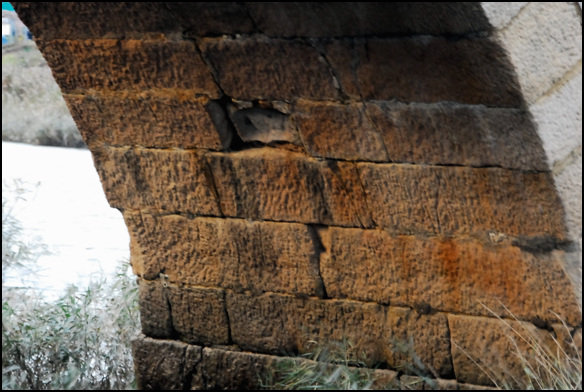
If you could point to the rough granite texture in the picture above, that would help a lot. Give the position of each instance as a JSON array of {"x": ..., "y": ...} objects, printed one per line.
[{"x": 401, "y": 177}]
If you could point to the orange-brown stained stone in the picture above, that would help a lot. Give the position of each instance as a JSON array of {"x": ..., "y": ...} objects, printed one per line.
[
  {"x": 254, "y": 68},
  {"x": 425, "y": 69},
  {"x": 488, "y": 350},
  {"x": 330, "y": 130},
  {"x": 109, "y": 64},
  {"x": 274, "y": 323},
  {"x": 230, "y": 253},
  {"x": 158, "y": 119},
  {"x": 172, "y": 180},
  {"x": 457, "y": 275},
  {"x": 269, "y": 184},
  {"x": 452, "y": 134},
  {"x": 412, "y": 199}
]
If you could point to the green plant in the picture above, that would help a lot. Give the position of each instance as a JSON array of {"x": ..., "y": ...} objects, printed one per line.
[
  {"x": 80, "y": 340},
  {"x": 326, "y": 367}
]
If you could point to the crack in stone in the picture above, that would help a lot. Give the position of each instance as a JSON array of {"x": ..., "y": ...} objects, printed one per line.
[{"x": 320, "y": 251}]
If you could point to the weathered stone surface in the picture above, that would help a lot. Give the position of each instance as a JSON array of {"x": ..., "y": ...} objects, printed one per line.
[
  {"x": 305, "y": 19},
  {"x": 451, "y": 134},
  {"x": 198, "y": 314},
  {"x": 262, "y": 68},
  {"x": 424, "y": 69},
  {"x": 457, "y": 275},
  {"x": 419, "y": 342},
  {"x": 233, "y": 371},
  {"x": 268, "y": 184},
  {"x": 155, "y": 311},
  {"x": 544, "y": 42},
  {"x": 230, "y": 370},
  {"x": 500, "y": 14},
  {"x": 86, "y": 20},
  {"x": 264, "y": 125},
  {"x": 495, "y": 351},
  {"x": 171, "y": 180},
  {"x": 110, "y": 64},
  {"x": 279, "y": 324},
  {"x": 415, "y": 383},
  {"x": 336, "y": 131},
  {"x": 230, "y": 253},
  {"x": 460, "y": 200},
  {"x": 192, "y": 314},
  {"x": 169, "y": 368},
  {"x": 211, "y": 18},
  {"x": 559, "y": 119},
  {"x": 161, "y": 119}
]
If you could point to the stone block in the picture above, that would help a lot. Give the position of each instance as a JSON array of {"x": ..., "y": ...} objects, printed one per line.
[
  {"x": 128, "y": 65},
  {"x": 264, "y": 125},
  {"x": 278, "y": 324},
  {"x": 451, "y": 134},
  {"x": 408, "y": 199},
  {"x": 86, "y": 20},
  {"x": 211, "y": 18},
  {"x": 155, "y": 311},
  {"x": 425, "y": 69},
  {"x": 461, "y": 275},
  {"x": 544, "y": 43},
  {"x": 419, "y": 342},
  {"x": 164, "y": 364},
  {"x": 306, "y": 19},
  {"x": 336, "y": 131},
  {"x": 486, "y": 351},
  {"x": 230, "y": 370},
  {"x": 191, "y": 314},
  {"x": 198, "y": 314},
  {"x": 163, "y": 119},
  {"x": 271, "y": 69},
  {"x": 269, "y": 184},
  {"x": 236, "y": 254},
  {"x": 161, "y": 179}
]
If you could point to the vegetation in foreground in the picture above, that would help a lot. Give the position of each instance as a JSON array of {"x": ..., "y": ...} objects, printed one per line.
[
  {"x": 557, "y": 366},
  {"x": 33, "y": 108},
  {"x": 79, "y": 341}
]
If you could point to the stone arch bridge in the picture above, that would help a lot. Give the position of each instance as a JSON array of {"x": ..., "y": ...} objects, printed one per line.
[{"x": 297, "y": 172}]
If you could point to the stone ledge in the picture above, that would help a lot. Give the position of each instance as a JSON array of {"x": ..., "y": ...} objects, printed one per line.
[
  {"x": 181, "y": 366},
  {"x": 276, "y": 185}
]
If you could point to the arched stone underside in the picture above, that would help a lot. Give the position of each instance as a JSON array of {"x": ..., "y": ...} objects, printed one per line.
[{"x": 313, "y": 172}]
